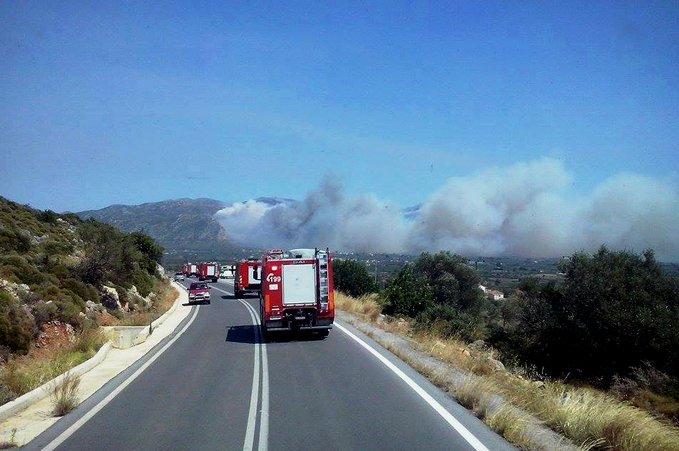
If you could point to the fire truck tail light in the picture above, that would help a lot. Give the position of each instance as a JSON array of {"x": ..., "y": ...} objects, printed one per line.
[{"x": 267, "y": 305}]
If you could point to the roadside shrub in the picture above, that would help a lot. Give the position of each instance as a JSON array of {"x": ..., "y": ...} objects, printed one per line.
[
  {"x": 18, "y": 267},
  {"x": 453, "y": 323},
  {"x": 352, "y": 277},
  {"x": 89, "y": 340},
  {"x": 60, "y": 271},
  {"x": 16, "y": 327},
  {"x": 143, "y": 281},
  {"x": 65, "y": 395},
  {"x": 78, "y": 288},
  {"x": 44, "y": 312},
  {"x": 408, "y": 294},
  {"x": 616, "y": 308},
  {"x": 151, "y": 251},
  {"x": 453, "y": 283},
  {"x": 47, "y": 216}
]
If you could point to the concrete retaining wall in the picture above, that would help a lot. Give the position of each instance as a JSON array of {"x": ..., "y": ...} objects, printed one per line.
[{"x": 33, "y": 396}]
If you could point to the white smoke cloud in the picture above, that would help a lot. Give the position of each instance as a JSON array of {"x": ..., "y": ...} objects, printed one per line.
[
  {"x": 325, "y": 218},
  {"x": 633, "y": 212},
  {"x": 522, "y": 210},
  {"x": 493, "y": 212}
]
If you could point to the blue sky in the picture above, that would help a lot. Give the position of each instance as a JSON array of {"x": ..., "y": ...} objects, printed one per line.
[{"x": 131, "y": 102}]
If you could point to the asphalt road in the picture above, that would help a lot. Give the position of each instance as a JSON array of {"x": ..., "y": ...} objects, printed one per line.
[{"x": 219, "y": 387}]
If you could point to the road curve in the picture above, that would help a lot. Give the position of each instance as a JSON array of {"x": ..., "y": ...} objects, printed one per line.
[{"x": 218, "y": 386}]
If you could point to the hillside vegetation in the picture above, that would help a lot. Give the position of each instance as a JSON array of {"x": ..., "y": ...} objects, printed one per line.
[
  {"x": 60, "y": 268},
  {"x": 615, "y": 312}
]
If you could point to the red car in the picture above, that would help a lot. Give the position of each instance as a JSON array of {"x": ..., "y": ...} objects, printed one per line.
[{"x": 199, "y": 292}]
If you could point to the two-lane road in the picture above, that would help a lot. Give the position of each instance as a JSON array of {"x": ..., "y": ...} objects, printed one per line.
[{"x": 219, "y": 387}]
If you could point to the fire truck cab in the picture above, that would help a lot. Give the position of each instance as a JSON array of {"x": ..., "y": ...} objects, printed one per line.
[{"x": 297, "y": 291}]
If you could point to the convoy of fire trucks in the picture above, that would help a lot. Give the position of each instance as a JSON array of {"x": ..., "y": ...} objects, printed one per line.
[{"x": 295, "y": 287}]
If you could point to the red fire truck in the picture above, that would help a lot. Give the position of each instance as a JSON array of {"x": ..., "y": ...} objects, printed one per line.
[
  {"x": 190, "y": 269},
  {"x": 208, "y": 271},
  {"x": 247, "y": 277},
  {"x": 297, "y": 291}
]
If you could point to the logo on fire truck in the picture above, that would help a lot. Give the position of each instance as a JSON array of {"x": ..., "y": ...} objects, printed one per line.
[{"x": 273, "y": 278}]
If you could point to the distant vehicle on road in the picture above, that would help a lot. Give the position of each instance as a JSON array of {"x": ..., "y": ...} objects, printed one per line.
[
  {"x": 199, "y": 292},
  {"x": 190, "y": 269},
  {"x": 178, "y": 276},
  {"x": 248, "y": 277},
  {"x": 208, "y": 271},
  {"x": 227, "y": 271}
]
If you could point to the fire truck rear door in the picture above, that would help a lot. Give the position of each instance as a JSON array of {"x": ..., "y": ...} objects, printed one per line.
[{"x": 299, "y": 284}]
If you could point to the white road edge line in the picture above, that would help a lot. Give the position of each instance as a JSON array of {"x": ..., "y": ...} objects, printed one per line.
[
  {"x": 447, "y": 416},
  {"x": 92, "y": 412},
  {"x": 248, "y": 445},
  {"x": 263, "y": 442}
]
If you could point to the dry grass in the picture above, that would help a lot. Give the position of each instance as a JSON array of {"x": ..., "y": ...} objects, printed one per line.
[
  {"x": 65, "y": 395},
  {"x": 476, "y": 393},
  {"x": 11, "y": 443},
  {"x": 165, "y": 297},
  {"x": 589, "y": 417},
  {"x": 25, "y": 373},
  {"x": 365, "y": 305}
]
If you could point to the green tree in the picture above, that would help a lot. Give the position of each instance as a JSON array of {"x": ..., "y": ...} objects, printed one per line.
[
  {"x": 615, "y": 310},
  {"x": 453, "y": 282},
  {"x": 408, "y": 294},
  {"x": 352, "y": 277},
  {"x": 152, "y": 251}
]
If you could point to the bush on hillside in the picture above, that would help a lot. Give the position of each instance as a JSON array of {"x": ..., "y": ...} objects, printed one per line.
[
  {"x": 614, "y": 311},
  {"x": 452, "y": 322},
  {"x": 453, "y": 283},
  {"x": 408, "y": 294},
  {"x": 440, "y": 288},
  {"x": 16, "y": 326},
  {"x": 352, "y": 277}
]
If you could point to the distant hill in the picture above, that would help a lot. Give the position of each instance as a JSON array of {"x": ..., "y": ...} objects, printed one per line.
[{"x": 185, "y": 227}]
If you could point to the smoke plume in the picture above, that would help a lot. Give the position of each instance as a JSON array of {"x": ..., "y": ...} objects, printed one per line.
[{"x": 521, "y": 210}]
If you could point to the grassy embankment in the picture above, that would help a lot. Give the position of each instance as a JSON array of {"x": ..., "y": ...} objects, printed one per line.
[
  {"x": 60, "y": 278},
  {"x": 164, "y": 297},
  {"x": 590, "y": 418},
  {"x": 24, "y": 373}
]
